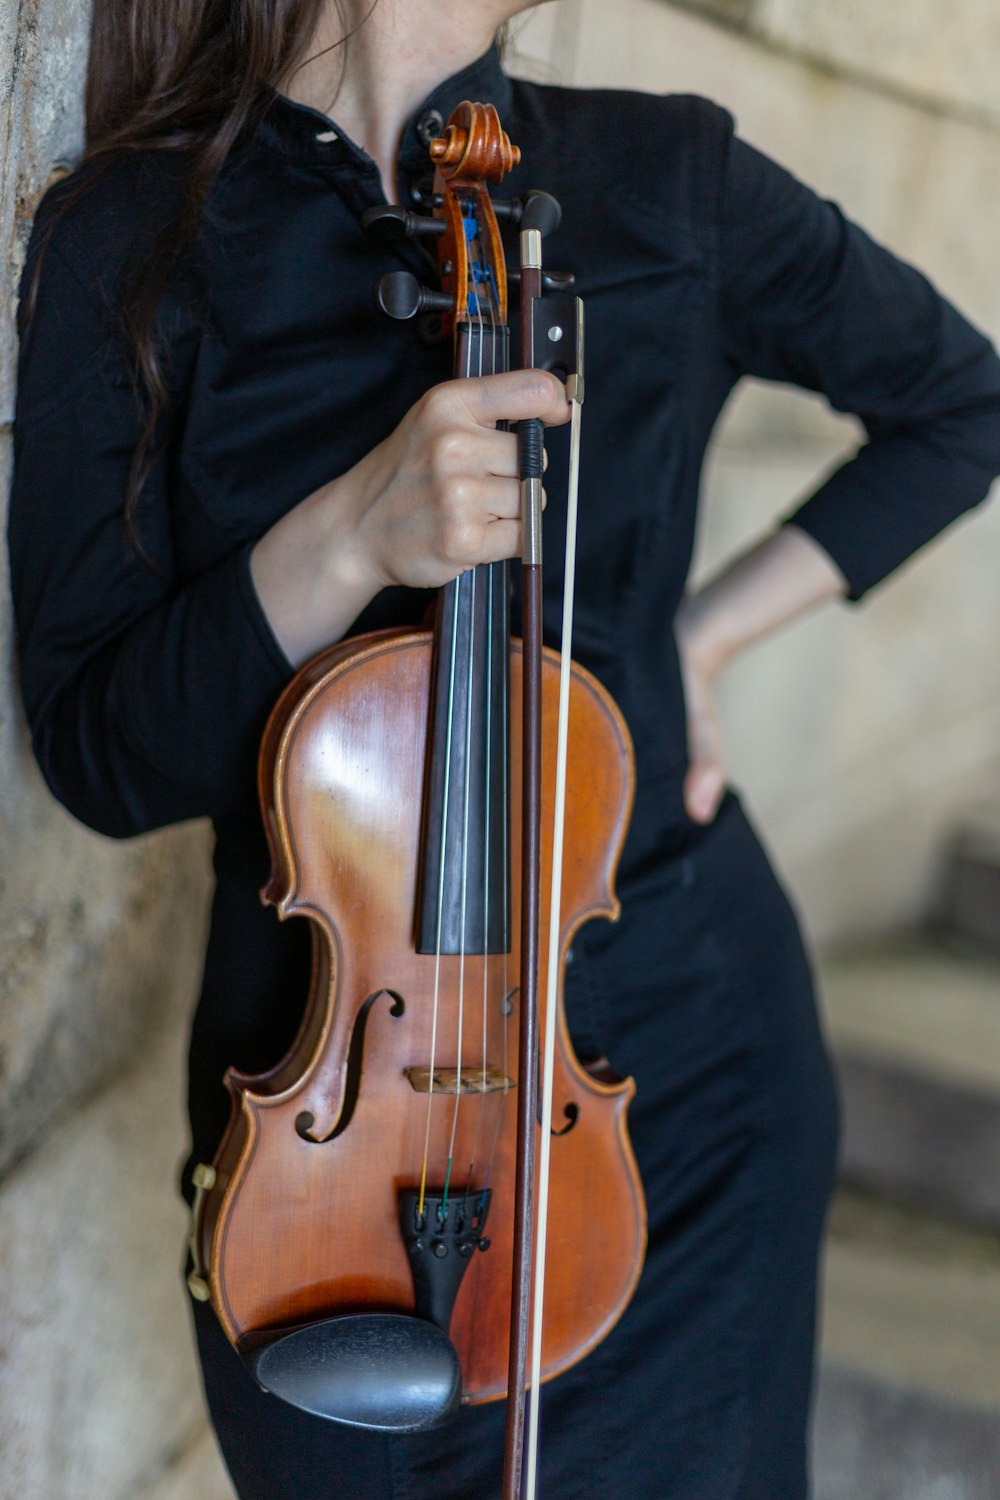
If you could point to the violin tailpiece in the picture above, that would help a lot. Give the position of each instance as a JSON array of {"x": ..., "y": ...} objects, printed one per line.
[{"x": 441, "y": 1242}]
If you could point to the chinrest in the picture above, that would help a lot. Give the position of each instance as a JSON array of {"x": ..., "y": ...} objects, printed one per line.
[{"x": 382, "y": 1371}]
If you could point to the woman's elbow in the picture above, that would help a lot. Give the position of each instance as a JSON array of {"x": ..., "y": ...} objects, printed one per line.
[{"x": 94, "y": 776}]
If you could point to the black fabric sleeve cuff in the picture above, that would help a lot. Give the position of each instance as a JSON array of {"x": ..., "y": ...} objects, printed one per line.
[{"x": 881, "y": 507}]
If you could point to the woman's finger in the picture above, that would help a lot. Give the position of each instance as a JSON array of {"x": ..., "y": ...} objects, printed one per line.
[
  {"x": 496, "y": 452},
  {"x": 704, "y": 785},
  {"x": 499, "y": 499},
  {"x": 509, "y": 397},
  {"x": 501, "y": 539},
  {"x": 705, "y": 781}
]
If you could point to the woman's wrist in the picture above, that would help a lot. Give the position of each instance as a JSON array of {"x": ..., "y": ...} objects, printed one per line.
[
  {"x": 782, "y": 576},
  {"x": 706, "y": 635},
  {"x": 778, "y": 579},
  {"x": 312, "y": 573}
]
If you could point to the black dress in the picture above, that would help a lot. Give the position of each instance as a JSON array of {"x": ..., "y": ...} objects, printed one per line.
[{"x": 147, "y": 687}]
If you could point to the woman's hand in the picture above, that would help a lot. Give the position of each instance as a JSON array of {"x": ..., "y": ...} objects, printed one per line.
[
  {"x": 705, "y": 780},
  {"x": 441, "y": 494},
  {"x": 781, "y": 577},
  {"x": 438, "y": 496}
]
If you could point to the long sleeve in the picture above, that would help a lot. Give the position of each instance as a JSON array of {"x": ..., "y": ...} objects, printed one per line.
[
  {"x": 146, "y": 691},
  {"x": 808, "y": 297}
]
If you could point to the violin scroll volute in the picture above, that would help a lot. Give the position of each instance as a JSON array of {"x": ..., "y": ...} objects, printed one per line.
[{"x": 475, "y": 147}]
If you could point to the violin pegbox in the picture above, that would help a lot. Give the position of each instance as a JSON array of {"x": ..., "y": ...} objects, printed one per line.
[{"x": 473, "y": 150}]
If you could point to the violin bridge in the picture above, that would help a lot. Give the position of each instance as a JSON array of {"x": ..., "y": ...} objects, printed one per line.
[{"x": 472, "y": 1080}]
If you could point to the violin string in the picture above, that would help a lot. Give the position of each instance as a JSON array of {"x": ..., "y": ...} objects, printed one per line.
[
  {"x": 474, "y": 307},
  {"x": 505, "y": 896},
  {"x": 475, "y": 311},
  {"x": 478, "y": 280},
  {"x": 506, "y": 1004},
  {"x": 555, "y": 933},
  {"x": 492, "y": 302},
  {"x": 487, "y": 799},
  {"x": 463, "y": 889},
  {"x": 486, "y": 879},
  {"x": 440, "y": 905},
  {"x": 488, "y": 813},
  {"x": 505, "y": 991}
]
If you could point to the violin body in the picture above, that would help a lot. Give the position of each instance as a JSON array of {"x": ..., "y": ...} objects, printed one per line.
[
  {"x": 303, "y": 1220},
  {"x": 431, "y": 1171}
]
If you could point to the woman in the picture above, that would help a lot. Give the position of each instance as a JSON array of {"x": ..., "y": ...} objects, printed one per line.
[{"x": 304, "y": 470}]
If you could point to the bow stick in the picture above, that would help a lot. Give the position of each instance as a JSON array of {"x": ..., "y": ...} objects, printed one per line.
[{"x": 564, "y": 351}]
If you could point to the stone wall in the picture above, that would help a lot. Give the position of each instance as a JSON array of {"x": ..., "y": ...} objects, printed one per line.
[
  {"x": 861, "y": 736},
  {"x": 99, "y": 952}
]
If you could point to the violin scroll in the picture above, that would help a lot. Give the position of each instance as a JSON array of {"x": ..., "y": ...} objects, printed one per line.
[{"x": 475, "y": 147}]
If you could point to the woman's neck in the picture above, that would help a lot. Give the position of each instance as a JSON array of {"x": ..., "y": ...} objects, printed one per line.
[{"x": 398, "y": 52}]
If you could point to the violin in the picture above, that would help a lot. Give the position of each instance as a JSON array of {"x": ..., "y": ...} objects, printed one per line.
[{"x": 431, "y": 1167}]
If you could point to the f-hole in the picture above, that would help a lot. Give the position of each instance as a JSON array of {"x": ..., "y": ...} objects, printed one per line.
[
  {"x": 571, "y": 1113},
  {"x": 352, "y": 1087}
]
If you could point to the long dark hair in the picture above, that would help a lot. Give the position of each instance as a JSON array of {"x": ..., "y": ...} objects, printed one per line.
[{"x": 187, "y": 77}]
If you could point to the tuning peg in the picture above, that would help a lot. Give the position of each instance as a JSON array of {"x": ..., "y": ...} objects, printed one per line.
[
  {"x": 400, "y": 295},
  {"x": 542, "y": 212},
  {"x": 393, "y": 222},
  {"x": 422, "y": 192},
  {"x": 534, "y": 211}
]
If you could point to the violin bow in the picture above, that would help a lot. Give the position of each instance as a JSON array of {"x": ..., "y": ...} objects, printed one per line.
[{"x": 555, "y": 325}]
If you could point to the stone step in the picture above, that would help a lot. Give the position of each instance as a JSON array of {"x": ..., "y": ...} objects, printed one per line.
[
  {"x": 913, "y": 1299},
  {"x": 915, "y": 1027},
  {"x": 876, "y": 1441},
  {"x": 909, "y": 1398}
]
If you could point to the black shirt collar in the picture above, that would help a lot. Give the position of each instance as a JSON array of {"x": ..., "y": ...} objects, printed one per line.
[{"x": 295, "y": 129}]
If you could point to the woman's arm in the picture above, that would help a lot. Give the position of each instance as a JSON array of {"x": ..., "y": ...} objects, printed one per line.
[
  {"x": 780, "y": 578},
  {"x": 438, "y": 496},
  {"x": 807, "y": 298},
  {"x": 147, "y": 687}
]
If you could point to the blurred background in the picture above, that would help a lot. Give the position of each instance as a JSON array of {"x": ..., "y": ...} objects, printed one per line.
[{"x": 866, "y": 741}]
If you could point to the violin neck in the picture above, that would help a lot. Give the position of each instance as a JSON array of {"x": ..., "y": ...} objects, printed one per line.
[{"x": 464, "y": 889}]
